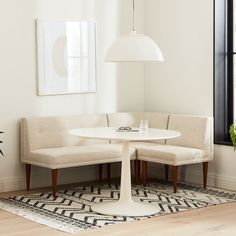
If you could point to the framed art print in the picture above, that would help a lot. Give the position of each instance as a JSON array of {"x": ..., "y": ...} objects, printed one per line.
[{"x": 66, "y": 53}]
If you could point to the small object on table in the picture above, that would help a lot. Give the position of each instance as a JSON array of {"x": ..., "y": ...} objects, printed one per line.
[
  {"x": 126, "y": 129},
  {"x": 143, "y": 126}
]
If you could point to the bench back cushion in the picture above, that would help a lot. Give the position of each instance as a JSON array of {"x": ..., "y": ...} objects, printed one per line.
[
  {"x": 132, "y": 119},
  {"x": 49, "y": 132},
  {"x": 196, "y": 131},
  {"x": 158, "y": 121}
]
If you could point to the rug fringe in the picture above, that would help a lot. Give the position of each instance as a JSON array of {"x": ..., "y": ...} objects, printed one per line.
[{"x": 39, "y": 219}]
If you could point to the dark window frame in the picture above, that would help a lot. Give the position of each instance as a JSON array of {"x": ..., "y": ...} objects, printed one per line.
[{"x": 223, "y": 70}]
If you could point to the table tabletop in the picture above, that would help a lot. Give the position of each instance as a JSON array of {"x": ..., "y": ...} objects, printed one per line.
[{"x": 112, "y": 133}]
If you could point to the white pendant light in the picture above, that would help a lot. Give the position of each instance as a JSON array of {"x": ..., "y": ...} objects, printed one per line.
[{"x": 133, "y": 47}]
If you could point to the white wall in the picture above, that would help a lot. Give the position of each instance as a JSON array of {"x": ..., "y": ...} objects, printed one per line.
[
  {"x": 18, "y": 76},
  {"x": 183, "y": 83}
]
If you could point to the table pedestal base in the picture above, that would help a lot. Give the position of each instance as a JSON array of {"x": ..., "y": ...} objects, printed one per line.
[{"x": 120, "y": 208}]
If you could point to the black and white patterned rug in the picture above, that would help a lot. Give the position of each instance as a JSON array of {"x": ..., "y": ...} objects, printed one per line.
[{"x": 71, "y": 211}]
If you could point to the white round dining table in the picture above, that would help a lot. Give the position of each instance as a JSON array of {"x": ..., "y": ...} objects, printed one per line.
[{"x": 125, "y": 206}]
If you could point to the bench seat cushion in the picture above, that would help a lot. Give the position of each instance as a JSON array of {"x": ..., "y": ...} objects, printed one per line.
[
  {"x": 172, "y": 155},
  {"x": 70, "y": 156}
]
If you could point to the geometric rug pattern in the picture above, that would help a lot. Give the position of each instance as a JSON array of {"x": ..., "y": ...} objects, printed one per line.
[{"x": 71, "y": 211}]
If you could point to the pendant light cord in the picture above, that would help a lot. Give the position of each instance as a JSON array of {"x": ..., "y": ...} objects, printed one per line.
[{"x": 133, "y": 16}]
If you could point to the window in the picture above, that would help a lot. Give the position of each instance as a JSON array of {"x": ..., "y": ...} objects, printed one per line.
[{"x": 224, "y": 55}]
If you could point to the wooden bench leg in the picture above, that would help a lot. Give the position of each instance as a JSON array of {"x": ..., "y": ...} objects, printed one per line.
[
  {"x": 166, "y": 172},
  {"x": 27, "y": 173},
  {"x": 205, "y": 170},
  {"x": 137, "y": 171},
  {"x": 100, "y": 167},
  {"x": 109, "y": 173},
  {"x": 144, "y": 172},
  {"x": 54, "y": 182},
  {"x": 175, "y": 178}
]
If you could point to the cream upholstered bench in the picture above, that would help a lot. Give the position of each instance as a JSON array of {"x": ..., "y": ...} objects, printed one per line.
[
  {"x": 195, "y": 145},
  {"x": 46, "y": 142}
]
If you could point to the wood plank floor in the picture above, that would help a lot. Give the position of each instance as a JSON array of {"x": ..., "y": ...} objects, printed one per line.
[{"x": 216, "y": 220}]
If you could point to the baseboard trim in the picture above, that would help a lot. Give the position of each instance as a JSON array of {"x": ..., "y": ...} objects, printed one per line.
[
  {"x": 154, "y": 171},
  {"x": 194, "y": 177},
  {"x": 214, "y": 180},
  {"x": 11, "y": 184},
  {"x": 41, "y": 177}
]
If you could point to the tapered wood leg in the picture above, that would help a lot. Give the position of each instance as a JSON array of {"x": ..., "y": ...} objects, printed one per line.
[
  {"x": 166, "y": 172},
  {"x": 175, "y": 178},
  {"x": 131, "y": 169},
  {"x": 144, "y": 172},
  {"x": 27, "y": 173},
  {"x": 54, "y": 182},
  {"x": 100, "y": 167},
  {"x": 137, "y": 171},
  {"x": 205, "y": 170},
  {"x": 109, "y": 173}
]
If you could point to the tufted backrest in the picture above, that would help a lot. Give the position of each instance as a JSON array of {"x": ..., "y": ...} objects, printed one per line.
[
  {"x": 132, "y": 119},
  {"x": 196, "y": 131},
  {"x": 48, "y": 132}
]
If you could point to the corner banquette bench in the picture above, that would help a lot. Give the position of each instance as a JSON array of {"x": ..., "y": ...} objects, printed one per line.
[{"x": 46, "y": 142}]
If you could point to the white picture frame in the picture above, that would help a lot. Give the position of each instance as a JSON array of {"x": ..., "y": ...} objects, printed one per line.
[{"x": 66, "y": 57}]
